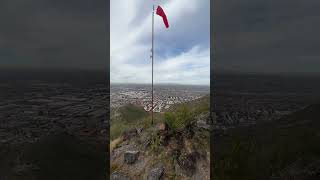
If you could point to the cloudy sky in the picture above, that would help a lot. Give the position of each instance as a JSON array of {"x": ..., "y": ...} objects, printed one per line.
[
  {"x": 267, "y": 36},
  {"x": 182, "y": 52},
  {"x": 54, "y": 34}
]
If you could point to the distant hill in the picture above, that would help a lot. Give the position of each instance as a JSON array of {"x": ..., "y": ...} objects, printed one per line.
[
  {"x": 288, "y": 148},
  {"x": 131, "y": 113},
  {"x": 198, "y": 105},
  {"x": 124, "y": 118}
]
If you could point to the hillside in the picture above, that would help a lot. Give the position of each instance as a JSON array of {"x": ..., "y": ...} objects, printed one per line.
[
  {"x": 288, "y": 148},
  {"x": 201, "y": 104},
  {"x": 176, "y": 146},
  {"x": 125, "y": 118}
]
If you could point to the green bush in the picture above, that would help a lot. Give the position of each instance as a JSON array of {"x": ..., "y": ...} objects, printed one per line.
[
  {"x": 170, "y": 119},
  {"x": 178, "y": 119},
  {"x": 184, "y": 116}
]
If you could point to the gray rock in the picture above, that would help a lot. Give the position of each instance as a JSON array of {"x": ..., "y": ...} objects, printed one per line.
[
  {"x": 203, "y": 125},
  {"x": 203, "y": 121},
  {"x": 156, "y": 173},
  {"x": 139, "y": 130},
  {"x": 119, "y": 176},
  {"x": 131, "y": 157}
]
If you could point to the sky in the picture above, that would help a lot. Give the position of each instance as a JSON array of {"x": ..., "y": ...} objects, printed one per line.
[
  {"x": 267, "y": 36},
  {"x": 182, "y": 52},
  {"x": 53, "y": 34}
]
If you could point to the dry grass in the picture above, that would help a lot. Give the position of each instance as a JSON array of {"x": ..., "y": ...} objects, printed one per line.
[{"x": 115, "y": 143}]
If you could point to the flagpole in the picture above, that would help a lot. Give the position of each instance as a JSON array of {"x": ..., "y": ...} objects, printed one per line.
[{"x": 152, "y": 63}]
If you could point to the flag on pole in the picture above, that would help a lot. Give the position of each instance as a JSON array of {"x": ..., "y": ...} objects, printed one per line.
[{"x": 161, "y": 13}]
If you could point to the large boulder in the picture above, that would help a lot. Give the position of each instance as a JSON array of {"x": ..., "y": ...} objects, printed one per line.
[{"x": 131, "y": 157}]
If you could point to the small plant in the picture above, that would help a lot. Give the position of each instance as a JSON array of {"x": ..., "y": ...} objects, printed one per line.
[
  {"x": 155, "y": 142},
  {"x": 185, "y": 115},
  {"x": 170, "y": 119}
]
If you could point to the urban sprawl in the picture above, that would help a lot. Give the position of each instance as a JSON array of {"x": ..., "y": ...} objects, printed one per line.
[{"x": 164, "y": 96}]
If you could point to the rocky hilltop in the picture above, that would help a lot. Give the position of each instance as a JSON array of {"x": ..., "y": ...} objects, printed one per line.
[{"x": 171, "y": 148}]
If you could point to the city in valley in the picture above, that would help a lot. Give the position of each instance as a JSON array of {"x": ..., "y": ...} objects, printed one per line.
[{"x": 164, "y": 95}]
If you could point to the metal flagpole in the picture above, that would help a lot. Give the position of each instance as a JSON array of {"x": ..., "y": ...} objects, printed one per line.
[{"x": 152, "y": 64}]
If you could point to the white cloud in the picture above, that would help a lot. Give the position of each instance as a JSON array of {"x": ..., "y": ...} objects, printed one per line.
[{"x": 182, "y": 51}]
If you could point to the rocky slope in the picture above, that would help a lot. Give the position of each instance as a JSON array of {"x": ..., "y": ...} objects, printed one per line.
[{"x": 160, "y": 152}]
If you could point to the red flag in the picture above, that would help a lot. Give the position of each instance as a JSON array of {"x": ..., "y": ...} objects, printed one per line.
[{"x": 161, "y": 13}]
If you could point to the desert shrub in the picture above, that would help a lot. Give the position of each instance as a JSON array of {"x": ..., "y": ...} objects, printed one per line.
[
  {"x": 178, "y": 119},
  {"x": 170, "y": 119},
  {"x": 184, "y": 116},
  {"x": 155, "y": 142}
]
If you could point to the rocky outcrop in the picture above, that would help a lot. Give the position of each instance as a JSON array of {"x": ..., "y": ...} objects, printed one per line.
[
  {"x": 159, "y": 152},
  {"x": 131, "y": 157},
  {"x": 203, "y": 121}
]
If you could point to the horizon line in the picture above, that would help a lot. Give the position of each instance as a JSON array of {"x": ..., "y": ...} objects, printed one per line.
[{"x": 160, "y": 84}]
